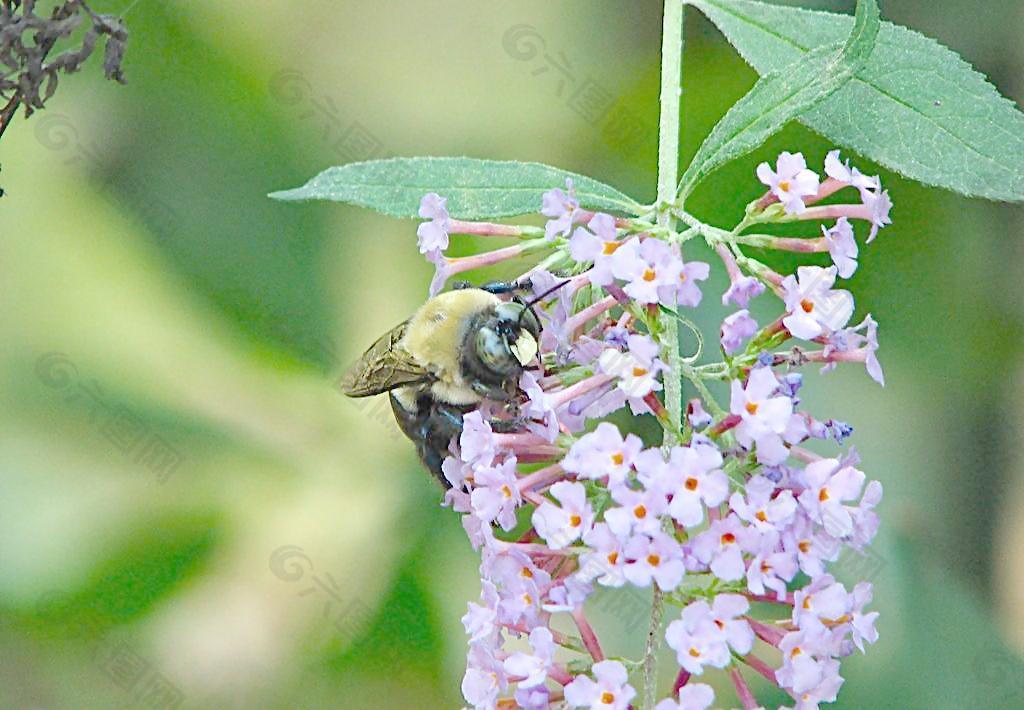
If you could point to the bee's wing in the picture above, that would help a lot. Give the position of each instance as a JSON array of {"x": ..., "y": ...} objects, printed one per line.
[{"x": 383, "y": 367}]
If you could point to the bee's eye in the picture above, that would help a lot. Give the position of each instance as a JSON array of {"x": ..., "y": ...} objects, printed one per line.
[{"x": 494, "y": 352}]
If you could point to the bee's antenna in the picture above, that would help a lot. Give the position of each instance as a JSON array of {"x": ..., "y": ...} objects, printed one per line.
[
  {"x": 530, "y": 304},
  {"x": 547, "y": 293}
]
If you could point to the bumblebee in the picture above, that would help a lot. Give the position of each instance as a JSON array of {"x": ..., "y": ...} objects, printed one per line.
[{"x": 459, "y": 348}]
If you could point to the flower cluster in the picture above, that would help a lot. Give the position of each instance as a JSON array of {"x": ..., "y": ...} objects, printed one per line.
[{"x": 731, "y": 509}]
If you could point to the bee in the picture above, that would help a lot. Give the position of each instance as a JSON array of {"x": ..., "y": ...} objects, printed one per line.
[{"x": 457, "y": 349}]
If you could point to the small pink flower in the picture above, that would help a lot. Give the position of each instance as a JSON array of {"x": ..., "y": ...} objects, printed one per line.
[
  {"x": 611, "y": 690},
  {"x": 842, "y": 247},
  {"x": 814, "y": 306},
  {"x": 791, "y": 181},
  {"x": 561, "y": 525}
]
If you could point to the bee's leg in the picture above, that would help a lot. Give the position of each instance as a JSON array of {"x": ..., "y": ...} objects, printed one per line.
[
  {"x": 502, "y": 287},
  {"x": 446, "y": 420},
  {"x": 508, "y": 426},
  {"x": 497, "y": 394}
]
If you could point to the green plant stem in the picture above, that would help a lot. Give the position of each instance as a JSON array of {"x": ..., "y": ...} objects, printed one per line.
[{"x": 668, "y": 177}]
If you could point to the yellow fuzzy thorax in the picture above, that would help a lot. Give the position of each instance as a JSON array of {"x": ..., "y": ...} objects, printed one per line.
[{"x": 434, "y": 339}]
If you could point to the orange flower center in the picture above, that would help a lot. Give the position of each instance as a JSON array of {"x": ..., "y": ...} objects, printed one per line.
[
  {"x": 507, "y": 491},
  {"x": 761, "y": 516},
  {"x": 618, "y": 458},
  {"x": 752, "y": 408},
  {"x": 823, "y": 495},
  {"x": 640, "y": 511},
  {"x": 694, "y": 652},
  {"x": 639, "y": 372},
  {"x": 653, "y": 560},
  {"x": 784, "y": 185},
  {"x": 691, "y": 484},
  {"x": 649, "y": 275},
  {"x": 607, "y": 698},
  {"x": 728, "y": 539},
  {"x": 804, "y": 546},
  {"x": 611, "y": 247},
  {"x": 575, "y": 521},
  {"x": 808, "y": 306},
  {"x": 527, "y": 572},
  {"x": 613, "y": 557}
]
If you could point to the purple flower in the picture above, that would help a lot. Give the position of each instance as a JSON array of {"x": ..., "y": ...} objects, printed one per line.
[
  {"x": 603, "y": 452},
  {"x": 611, "y": 691},
  {"x": 828, "y": 484},
  {"x": 838, "y": 170},
  {"x": 762, "y": 508},
  {"x": 810, "y": 545},
  {"x": 637, "y": 369},
  {"x": 823, "y": 601},
  {"x": 879, "y": 204},
  {"x": 842, "y": 247},
  {"x": 695, "y": 480},
  {"x": 562, "y": 207},
  {"x": 605, "y": 562},
  {"x": 736, "y": 329},
  {"x": 871, "y": 360},
  {"x": 806, "y": 660},
  {"x": 536, "y": 698},
  {"x": 570, "y": 594},
  {"x": 771, "y": 569},
  {"x": 656, "y": 557},
  {"x": 432, "y": 236},
  {"x": 814, "y": 678},
  {"x": 790, "y": 182},
  {"x": 742, "y": 290},
  {"x": 599, "y": 245},
  {"x": 703, "y": 634},
  {"x": 484, "y": 679},
  {"x": 636, "y": 512},
  {"x": 687, "y": 291},
  {"x": 848, "y": 340},
  {"x": 696, "y": 414},
  {"x": 865, "y": 520},
  {"x": 541, "y": 417},
  {"x": 533, "y": 667},
  {"x": 480, "y": 620},
  {"x": 721, "y": 547},
  {"x": 692, "y": 696},
  {"x": 496, "y": 495},
  {"x": 476, "y": 442},
  {"x": 814, "y": 306},
  {"x": 763, "y": 416},
  {"x": 862, "y": 626},
  {"x": 726, "y": 612},
  {"x": 652, "y": 272},
  {"x": 561, "y": 525}
]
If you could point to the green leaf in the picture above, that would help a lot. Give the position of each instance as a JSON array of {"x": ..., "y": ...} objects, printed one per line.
[
  {"x": 914, "y": 107},
  {"x": 476, "y": 189},
  {"x": 780, "y": 96}
]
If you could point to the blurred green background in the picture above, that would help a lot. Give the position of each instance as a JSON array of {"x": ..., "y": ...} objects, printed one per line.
[{"x": 191, "y": 513}]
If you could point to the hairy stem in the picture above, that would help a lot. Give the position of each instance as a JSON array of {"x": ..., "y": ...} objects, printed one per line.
[{"x": 668, "y": 177}]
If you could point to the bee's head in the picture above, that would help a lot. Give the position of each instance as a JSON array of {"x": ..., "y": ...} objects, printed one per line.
[{"x": 508, "y": 340}]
